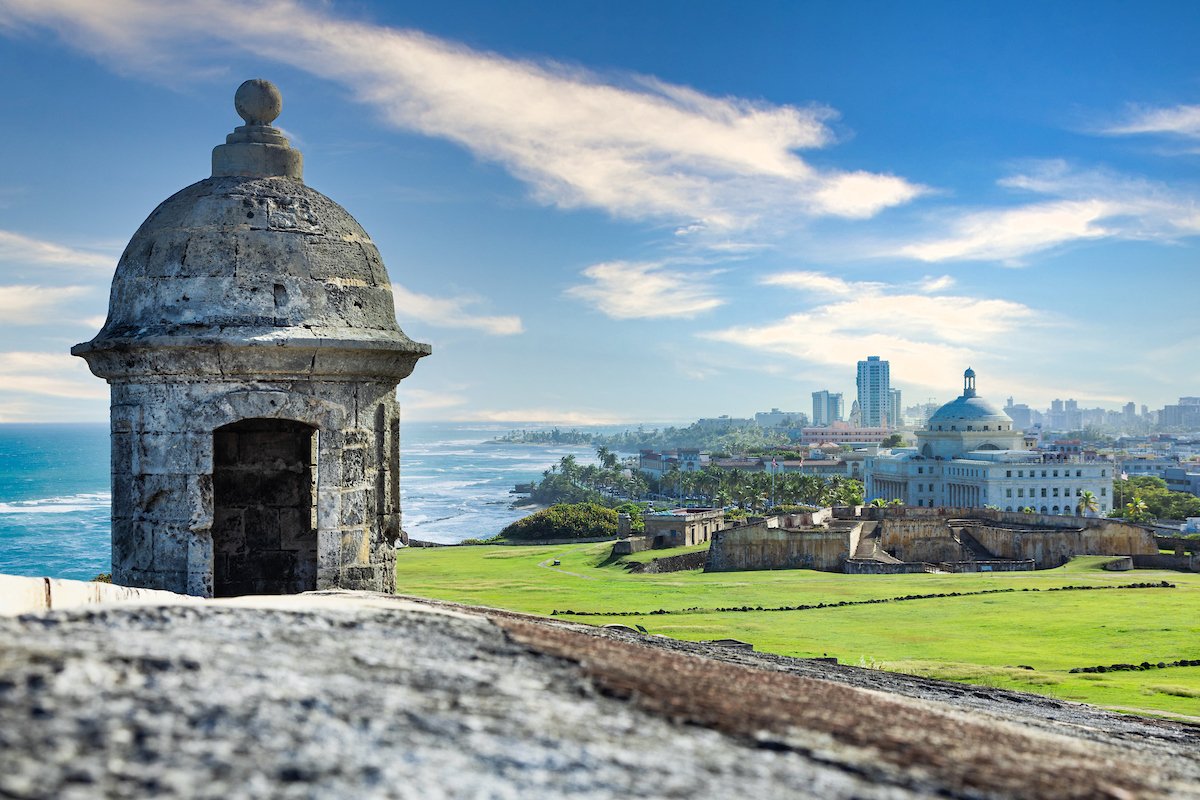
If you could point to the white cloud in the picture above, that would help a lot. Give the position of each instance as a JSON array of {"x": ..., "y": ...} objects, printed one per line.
[
  {"x": 635, "y": 146},
  {"x": 1181, "y": 120},
  {"x": 928, "y": 339},
  {"x": 642, "y": 290},
  {"x": 413, "y": 399},
  {"x": 450, "y": 312},
  {"x": 548, "y": 416},
  {"x": 23, "y": 305},
  {"x": 933, "y": 284},
  {"x": 18, "y": 249},
  {"x": 1007, "y": 234},
  {"x": 49, "y": 374},
  {"x": 1085, "y": 205}
]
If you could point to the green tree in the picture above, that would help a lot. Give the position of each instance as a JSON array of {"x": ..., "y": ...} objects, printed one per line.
[
  {"x": 1136, "y": 510},
  {"x": 893, "y": 440},
  {"x": 1088, "y": 504}
]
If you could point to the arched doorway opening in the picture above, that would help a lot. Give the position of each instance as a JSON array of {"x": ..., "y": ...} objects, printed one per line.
[{"x": 264, "y": 508}]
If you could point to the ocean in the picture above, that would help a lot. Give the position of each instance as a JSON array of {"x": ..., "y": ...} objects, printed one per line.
[{"x": 54, "y": 490}]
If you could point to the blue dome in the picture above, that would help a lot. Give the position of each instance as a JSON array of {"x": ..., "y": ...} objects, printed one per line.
[{"x": 969, "y": 409}]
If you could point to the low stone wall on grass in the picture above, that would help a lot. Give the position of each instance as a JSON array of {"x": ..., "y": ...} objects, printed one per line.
[
  {"x": 857, "y": 566},
  {"x": 1181, "y": 563},
  {"x": 679, "y": 563}
]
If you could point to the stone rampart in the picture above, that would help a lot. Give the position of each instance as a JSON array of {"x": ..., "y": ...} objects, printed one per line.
[
  {"x": 755, "y": 547},
  {"x": 911, "y": 533},
  {"x": 21, "y": 595}
]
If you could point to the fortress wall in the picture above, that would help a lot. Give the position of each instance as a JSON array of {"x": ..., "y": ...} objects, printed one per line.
[
  {"x": 898, "y": 534},
  {"x": 932, "y": 549},
  {"x": 755, "y": 547},
  {"x": 1052, "y": 548},
  {"x": 912, "y": 534},
  {"x": 21, "y": 595}
]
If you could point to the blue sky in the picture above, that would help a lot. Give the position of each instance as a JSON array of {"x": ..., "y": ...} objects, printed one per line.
[{"x": 631, "y": 211}]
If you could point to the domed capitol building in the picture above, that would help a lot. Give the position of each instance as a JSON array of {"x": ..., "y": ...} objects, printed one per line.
[{"x": 970, "y": 456}]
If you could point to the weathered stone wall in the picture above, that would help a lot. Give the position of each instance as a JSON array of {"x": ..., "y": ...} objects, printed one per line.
[
  {"x": 679, "y": 563},
  {"x": 988, "y": 566},
  {"x": 162, "y": 468},
  {"x": 1052, "y": 548},
  {"x": 932, "y": 549},
  {"x": 755, "y": 547},
  {"x": 634, "y": 544},
  {"x": 866, "y": 567},
  {"x": 908, "y": 533}
]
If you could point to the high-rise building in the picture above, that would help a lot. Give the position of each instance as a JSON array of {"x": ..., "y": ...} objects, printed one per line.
[
  {"x": 874, "y": 392},
  {"x": 827, "y": 407},
  {"x": 895, "y": 416}
]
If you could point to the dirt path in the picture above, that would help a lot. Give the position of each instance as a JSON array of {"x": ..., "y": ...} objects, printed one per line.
[{"x": 549, "y": 564}]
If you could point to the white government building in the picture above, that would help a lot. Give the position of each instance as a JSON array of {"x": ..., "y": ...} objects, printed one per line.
[{"x": 969, "y": 456}]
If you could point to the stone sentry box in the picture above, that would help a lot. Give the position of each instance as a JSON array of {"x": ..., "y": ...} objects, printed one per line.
[{"x": 253, "y": 354}]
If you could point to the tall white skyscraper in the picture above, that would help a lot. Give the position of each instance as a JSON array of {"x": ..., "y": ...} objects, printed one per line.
[
  {"x": 827, "y": 407},
  {"x": 895, "y": 417},
  {"x": 874, "y": 392}
]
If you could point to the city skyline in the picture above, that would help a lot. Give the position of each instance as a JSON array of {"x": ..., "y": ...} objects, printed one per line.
[{"x": 647, "y": 212}]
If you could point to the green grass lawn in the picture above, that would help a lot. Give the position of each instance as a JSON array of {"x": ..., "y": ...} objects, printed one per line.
[{"x": 986, "y": 639}]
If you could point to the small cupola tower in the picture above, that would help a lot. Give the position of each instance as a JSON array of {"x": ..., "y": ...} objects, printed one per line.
[
  {"x": 969, "y": 383},
  {"x": 253, "y": 354}
]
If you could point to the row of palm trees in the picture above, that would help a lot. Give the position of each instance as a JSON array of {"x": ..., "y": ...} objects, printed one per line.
[
  {"x": 752, "y": 491},
  {"x": 757, "y": 491}
]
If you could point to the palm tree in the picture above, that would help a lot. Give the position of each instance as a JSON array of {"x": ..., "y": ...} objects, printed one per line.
[
  {"x": 1088, "y": 504},
  {"x": 1136, "y": 510},
  {"x": 608, "y": 459}
]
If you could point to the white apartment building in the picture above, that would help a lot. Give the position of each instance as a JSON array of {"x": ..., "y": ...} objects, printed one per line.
[{"x": 969, "y": 455}]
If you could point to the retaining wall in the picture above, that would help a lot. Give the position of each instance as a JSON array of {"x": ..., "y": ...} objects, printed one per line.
[
  {"x": 679, "y": 563},
  {"x": 755, "y": 547},
  {"x": 1182, "y": 563}
]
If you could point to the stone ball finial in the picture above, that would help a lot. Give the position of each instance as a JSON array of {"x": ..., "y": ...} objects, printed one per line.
[{"x": 258, "y": 102}]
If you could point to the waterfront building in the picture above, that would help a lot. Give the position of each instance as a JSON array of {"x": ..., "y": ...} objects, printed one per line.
[
  {"x": 970, "y": 455},
  {"x": 874, "y": 393},
  {"x": 657, "y": 464},
  {"x": 827, "y": 407}
]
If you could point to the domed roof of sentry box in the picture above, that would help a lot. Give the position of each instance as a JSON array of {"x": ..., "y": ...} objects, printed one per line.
[{"x": 251, "y": 259}]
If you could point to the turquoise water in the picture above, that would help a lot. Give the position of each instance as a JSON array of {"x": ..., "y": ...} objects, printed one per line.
[{"x": 54, "y": 490}]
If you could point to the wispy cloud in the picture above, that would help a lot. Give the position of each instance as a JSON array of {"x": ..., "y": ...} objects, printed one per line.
[
  {"x": 425, "y": 400},
  {"x": 49, "y": 374},
  {"x": 18, "y": 249},
  {"x": 451, "y": 312},
  {"x": 1085, "y": 205},
  {"x": 1180, "y": 120},
  {"x": 645, "y": 290},
  {"x": 940, "y": 283},
  {"x": 23, "y": 305},
  {"x": 928, "y": 338},
  {"x": 633, "y": 145},
  {"x": 548, "y": 416}
]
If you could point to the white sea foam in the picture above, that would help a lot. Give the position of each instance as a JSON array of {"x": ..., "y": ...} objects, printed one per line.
[{"x": 69, "y": 504}]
